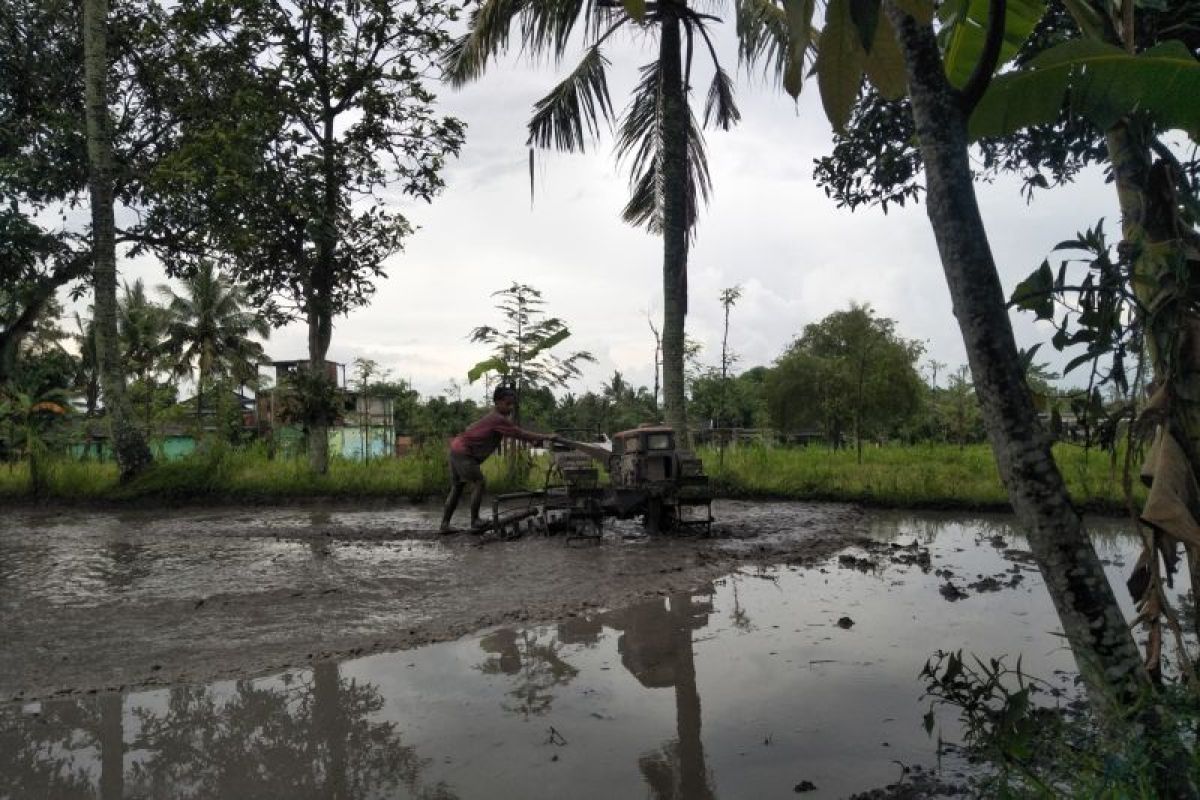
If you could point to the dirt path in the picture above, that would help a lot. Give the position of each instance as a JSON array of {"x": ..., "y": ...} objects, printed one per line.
[{"x": 107, "y": 600}]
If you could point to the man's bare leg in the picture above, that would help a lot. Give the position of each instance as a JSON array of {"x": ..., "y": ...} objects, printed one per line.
[
  {"x": 476, "y": 502},
  {"x": 451, "y": 504}
]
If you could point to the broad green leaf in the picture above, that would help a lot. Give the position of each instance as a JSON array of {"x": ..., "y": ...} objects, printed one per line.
[
  {"x": 549, "y": 342},
  {"x": 1105, "y": 84},
  {"x": 798, "y": 14},
  {"x": 920, "y": 10},
  {"x": 635, "y": 8},
  {"x": 885, "y": 63},
  {"x": 1089, "y": 19},
  {"x": 1035, "y": 293},
  {"x": 490, "y": 365},
  {"x": 840, "y": 61},
  {"x": 964, "y": 46},
  {"x": 1019, "y": 100},
  {"x": 865, "y": 14}
]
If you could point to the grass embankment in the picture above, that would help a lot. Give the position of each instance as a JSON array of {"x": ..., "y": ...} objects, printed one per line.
[{"x": 919, "y": 476}]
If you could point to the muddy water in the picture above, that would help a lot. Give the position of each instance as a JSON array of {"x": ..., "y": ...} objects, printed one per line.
[
  {"x": 745, "y": 686},
  {"x": 103, "y": 601}
]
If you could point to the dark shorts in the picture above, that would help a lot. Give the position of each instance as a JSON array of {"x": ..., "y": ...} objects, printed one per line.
[{"x": 464, "y": 469}]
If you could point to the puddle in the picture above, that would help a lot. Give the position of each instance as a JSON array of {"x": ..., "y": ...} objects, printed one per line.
[{"x": 762, "y": 680}]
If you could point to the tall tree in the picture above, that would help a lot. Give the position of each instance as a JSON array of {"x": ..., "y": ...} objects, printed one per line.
[
  {"x": 306, "y": 112},
  {"x": 729, "y": 298},
  {"x": 209, "y": 331},
  {"x": 942, "y": 103},
  {"x": 129, "y": 442},
  {"x": 658, "y": 134}
]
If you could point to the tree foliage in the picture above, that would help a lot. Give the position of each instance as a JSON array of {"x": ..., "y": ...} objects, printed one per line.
[
  {"x": 209, "y": 330},
  {"x": 849, "y": 374}
]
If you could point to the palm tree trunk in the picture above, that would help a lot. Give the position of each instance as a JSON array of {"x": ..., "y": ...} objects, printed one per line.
[
  {"x": 674, "y": 214},
  {"x": 1104, "y": 650},
  {"x": 128, "y": 441}
]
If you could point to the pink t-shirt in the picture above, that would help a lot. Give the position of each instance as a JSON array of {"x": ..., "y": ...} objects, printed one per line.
[{"x": 481, "y": 439}]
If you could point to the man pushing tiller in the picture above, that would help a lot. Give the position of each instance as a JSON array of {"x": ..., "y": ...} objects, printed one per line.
[{"x": 471, "y": 448}]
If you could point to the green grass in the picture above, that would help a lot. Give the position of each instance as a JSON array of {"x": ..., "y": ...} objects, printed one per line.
[
  {"x": 229, "y": 475},
  {"x": 908, "y": 476},
  {"x": 919, "y": 476}
]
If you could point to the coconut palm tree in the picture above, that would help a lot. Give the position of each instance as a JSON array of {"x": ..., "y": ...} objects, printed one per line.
[
  {"x": 209, "y": 329},
  {"x": 658, "y": 136},
  {"x": 142, "y": 325}
]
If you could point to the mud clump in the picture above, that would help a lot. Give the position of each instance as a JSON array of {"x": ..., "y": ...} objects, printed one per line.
[
  {"x": 994, "y": 583},
  {"x": 904, "y": 555},
  {"x": 952, "y": 593},
  {"x": 859, "y": 563}
]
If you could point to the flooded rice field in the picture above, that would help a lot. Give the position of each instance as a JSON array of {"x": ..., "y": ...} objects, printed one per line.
[{"x": 739, "y": 667}]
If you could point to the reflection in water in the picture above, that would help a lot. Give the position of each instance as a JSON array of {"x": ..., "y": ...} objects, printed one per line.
[
  {"x": 303, "y": 736},
  {"x": 655, "y": 645},
  {"x": 536, "y": 665},
  {"x": 38, "y": 754}
]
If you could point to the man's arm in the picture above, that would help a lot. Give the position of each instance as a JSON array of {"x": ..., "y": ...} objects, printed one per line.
[{"x": 513, "y": 432}]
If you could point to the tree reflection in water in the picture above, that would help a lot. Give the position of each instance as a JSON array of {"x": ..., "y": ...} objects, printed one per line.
[
  {"x": 309, "y": 735},
  {"x": 536, "y": 666},
  {"x": 53, "y": 753}
]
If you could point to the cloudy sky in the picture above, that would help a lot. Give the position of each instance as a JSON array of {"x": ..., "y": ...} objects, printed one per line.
[{"x": 769, "y": 228}]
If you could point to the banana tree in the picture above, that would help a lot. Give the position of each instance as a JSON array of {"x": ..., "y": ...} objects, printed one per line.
[{"x": 658, "y": 136}]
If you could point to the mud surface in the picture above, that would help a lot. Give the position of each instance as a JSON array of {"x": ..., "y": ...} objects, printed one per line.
[
  {"x": 792, "y": 675},
  {"x": 115, "y": 600}
]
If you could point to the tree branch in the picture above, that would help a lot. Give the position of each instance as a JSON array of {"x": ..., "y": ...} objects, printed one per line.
[{"x": 977, "y": 84}]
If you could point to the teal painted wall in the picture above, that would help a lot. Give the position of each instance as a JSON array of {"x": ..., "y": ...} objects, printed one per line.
[{"x": 289, "y": 442}]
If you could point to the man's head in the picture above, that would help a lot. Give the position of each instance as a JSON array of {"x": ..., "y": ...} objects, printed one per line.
[{"x": 505, "y": 398}]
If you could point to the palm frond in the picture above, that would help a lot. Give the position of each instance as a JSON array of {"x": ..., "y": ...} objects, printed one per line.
[
  {"x": 547, "y": 25},
  {"x": 720, "y": 107},
  {"x": 574, "y": 110},
  {"x": 699, "y": 180},
  {"x": 487, "y": 35},
  {"x": 762, "y": 32},
  {"x": 640, "y": 142}
]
